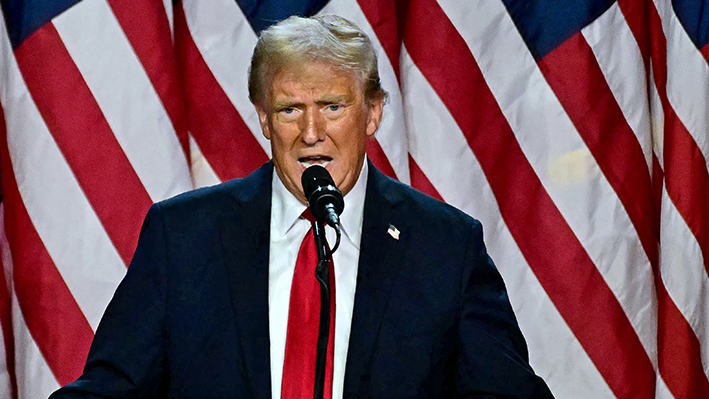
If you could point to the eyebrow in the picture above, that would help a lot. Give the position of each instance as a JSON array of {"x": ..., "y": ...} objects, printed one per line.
[
  {"x": 333, "y": 99},
  {"x": 326, "y": 99},
  {"x": 282, "y": 104},
  {"x": 336, "y": 98}
]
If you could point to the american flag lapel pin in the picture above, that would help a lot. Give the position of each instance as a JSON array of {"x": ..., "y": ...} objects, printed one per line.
[{"x": 393, "y": 231}]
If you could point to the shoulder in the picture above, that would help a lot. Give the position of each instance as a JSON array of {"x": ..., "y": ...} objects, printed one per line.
[
  {"x": 227, "y": 195},
  {"x": 201, "y": 196},
  {"x": 421, "y": 208}
]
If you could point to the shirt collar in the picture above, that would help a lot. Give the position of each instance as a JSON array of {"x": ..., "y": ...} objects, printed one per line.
[{"x": 286, "y": 209}]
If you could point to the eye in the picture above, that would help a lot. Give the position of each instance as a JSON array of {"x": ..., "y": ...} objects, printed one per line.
[
  {"x": 288, "y": 114},
  {"x": 334, "y": 110}
]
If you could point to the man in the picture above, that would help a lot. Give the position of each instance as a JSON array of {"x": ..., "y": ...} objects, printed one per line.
[{"x": 206, "y": 309}]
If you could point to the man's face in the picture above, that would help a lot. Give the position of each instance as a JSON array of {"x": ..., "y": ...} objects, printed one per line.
[{"x": 315, "y": 114}]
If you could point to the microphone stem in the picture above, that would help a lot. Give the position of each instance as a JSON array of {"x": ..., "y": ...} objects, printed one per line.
[
  {"x": 323, "y": 277},
  {"x": 321, "y": 241},
  {"x": 337, "y": 240}
]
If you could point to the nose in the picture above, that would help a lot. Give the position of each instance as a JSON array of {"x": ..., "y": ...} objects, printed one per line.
[{"x": 313, "y": 129}]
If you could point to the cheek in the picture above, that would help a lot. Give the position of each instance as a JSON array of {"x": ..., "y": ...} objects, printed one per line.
[
  {"x": 353, "y": 149},
  {"x": 356, "y": 137},
  {"x": 283, "y": 136},
  {"x": 280, "y": 150}
]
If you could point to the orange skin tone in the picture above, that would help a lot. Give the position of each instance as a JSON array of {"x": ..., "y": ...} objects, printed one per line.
[{"x": 315, "y": 113}]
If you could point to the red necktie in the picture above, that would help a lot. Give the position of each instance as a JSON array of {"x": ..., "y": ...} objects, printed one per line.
[{"x": 303, "y": 325}]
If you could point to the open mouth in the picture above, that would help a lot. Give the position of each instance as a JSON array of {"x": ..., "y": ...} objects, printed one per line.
[{"x": 315, "y": 160}]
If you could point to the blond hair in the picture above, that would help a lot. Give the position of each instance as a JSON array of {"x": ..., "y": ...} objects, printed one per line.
[{"x": 327, "y": 38}]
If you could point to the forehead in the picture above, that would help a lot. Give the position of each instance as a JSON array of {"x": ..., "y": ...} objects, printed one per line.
[{"x": 314, "y": 78}]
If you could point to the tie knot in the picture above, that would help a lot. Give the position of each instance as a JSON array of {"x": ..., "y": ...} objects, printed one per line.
[{"x": 309, "y": 215}]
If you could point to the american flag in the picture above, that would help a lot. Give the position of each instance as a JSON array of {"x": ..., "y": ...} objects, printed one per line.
[{"x": 577, "y": 131}]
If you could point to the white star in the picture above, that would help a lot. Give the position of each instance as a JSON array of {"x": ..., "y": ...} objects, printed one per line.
[{"x": 393, "y": 231}]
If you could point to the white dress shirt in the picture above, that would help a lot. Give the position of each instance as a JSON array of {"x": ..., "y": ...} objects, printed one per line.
[{"x": 288, "y": 229}]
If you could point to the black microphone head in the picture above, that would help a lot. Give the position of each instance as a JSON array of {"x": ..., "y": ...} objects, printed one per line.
[
  {"x": 313, "y": 177},
  {"x": 321, "y": 192}
]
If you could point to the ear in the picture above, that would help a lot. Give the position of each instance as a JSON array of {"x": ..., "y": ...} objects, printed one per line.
[
  {"x": 263, "y": 120},
  {"x": 376, "y": 108}
]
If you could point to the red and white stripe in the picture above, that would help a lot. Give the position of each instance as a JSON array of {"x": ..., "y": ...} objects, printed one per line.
[
  {"x": 684, "y": 216},
  {"x": 211, "y": 40},
  {"x": 92, "y": 139},
  {"x": 8, "y": 381},
  {"x": 588, "y": 168}
]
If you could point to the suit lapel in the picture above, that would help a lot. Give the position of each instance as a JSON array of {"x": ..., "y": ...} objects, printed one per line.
[
  {"x": 245, "y": 242},
  {"x": 380, "y": 255}
]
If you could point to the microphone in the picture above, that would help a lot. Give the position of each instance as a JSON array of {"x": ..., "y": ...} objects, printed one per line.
[
  {"x": 324, "y": 198},
  {"x": 326, "y": 204}
]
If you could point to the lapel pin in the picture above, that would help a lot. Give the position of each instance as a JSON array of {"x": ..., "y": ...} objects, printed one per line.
[{"x": 393, "y": 231}]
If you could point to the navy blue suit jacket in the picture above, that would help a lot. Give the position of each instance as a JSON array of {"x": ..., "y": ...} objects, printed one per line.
[{"x": 190, "y": 320}]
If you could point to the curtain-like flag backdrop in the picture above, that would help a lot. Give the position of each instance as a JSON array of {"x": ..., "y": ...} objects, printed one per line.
[{"x": 577, "y": 131}]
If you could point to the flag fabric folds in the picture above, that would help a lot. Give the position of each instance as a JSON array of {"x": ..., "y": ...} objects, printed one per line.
[{"x": 576, "y": 131}]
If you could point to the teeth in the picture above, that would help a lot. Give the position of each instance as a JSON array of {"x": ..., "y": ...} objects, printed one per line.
[{"x": 308, "y": 162}]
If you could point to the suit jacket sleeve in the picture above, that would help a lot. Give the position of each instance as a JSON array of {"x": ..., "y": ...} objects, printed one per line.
[
  {"x": 493, "y": 360},
  {"x": 127, "y": 354}
]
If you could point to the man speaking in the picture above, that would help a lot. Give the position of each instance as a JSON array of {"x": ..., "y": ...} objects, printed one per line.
[{"x": 222, "y": 300}]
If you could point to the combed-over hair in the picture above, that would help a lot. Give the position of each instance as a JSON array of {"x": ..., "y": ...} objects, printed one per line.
[{"x": 328, "y": 38}]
